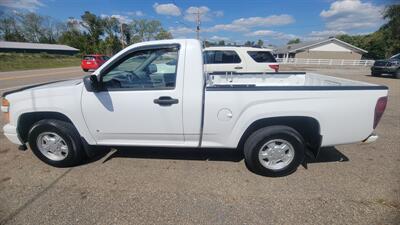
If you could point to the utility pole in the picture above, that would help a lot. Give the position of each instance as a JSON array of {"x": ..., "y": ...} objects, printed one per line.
[
  {"x": 198, "y": 15},
  {"x": 198, "y": 22}
]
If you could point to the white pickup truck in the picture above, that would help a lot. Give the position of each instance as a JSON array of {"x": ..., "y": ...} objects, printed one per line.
[{"x": 156, "y": 94}]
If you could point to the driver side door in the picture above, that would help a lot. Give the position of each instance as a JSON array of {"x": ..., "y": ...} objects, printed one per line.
[{"x": 139, "y": 104}]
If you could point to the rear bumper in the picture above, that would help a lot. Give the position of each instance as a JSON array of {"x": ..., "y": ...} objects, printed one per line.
[
  {"x": 11, "y": 133},
  {"x": 90, "y": 67},
  {"x": 371, "y": 138}
]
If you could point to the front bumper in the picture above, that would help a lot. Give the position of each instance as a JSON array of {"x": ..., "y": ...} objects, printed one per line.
[
  {"x": 384, "y": 69},
  {"x": 11, "y": 133},
  {"x": 371, "y": 138}
]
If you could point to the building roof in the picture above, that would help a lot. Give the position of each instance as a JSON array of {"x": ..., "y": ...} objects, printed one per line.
[
  {"x": 293, "y": 48},
  {"x": 25, "y": 45}
]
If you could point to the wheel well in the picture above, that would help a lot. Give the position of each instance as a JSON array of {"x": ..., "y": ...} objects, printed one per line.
[
  {"x": 308, "y": 127},
  {"x": 27, "y": 120}
]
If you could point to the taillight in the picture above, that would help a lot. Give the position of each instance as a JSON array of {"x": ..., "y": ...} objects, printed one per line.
[
  {"x": 274, "y": 67},
  {"x": 379, "y": 109}
]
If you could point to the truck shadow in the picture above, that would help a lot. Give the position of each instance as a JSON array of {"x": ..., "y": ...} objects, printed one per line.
[
  {"x": 386, "y": 76},
  {"x": 326, "y": 155}
]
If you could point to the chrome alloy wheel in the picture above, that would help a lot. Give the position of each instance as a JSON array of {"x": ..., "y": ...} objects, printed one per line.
[
  {"x": 52, "y": 146},
  {"x": 276, "y": 154}
]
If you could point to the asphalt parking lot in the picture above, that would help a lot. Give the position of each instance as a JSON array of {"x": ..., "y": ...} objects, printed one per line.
[{"x": 350, "y": 184}]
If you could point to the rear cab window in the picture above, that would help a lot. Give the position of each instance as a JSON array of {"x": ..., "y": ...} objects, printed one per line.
[
  {"x": 88, "y": 57},
  {"x": 221, "y": 57},
  {"x": 262, "y": 56}
]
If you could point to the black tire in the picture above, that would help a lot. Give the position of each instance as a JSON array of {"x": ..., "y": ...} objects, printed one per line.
[
  {"x": 85, "y": 70},
  {"x": 67, "y": 132},
  {"x": 256, "y": 140},
  {"x": 375, "y": 74},
  {"x": 397, "y": 74}
]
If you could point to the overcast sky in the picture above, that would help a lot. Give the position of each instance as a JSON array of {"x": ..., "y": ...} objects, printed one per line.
[{"x": 274, "y": 22}]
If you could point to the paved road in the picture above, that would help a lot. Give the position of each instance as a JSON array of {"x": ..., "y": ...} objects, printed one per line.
[
  {"x": 10, "y": 80},
  {"x": 351, "y": 184}
]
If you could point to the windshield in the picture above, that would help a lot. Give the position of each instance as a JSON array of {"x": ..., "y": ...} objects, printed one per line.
[{"x": 397, "y": 56}]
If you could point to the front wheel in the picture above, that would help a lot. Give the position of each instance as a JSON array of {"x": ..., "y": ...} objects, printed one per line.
[
  {"x": 274, "y": 151},
  {"x": 56, "y": 143},
  {"x": 397, "y": 74}
]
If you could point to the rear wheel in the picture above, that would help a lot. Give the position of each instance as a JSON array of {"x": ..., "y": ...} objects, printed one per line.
[
  {"x": 274, "y": 151},
  {"x": 56, "y": 143},
  {"x": 85, "y": 70}
]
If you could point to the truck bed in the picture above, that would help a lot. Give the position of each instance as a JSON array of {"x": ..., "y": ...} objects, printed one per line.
[
  {"x": 291, "y": 80},
  {"x": 343, "y": 108}
]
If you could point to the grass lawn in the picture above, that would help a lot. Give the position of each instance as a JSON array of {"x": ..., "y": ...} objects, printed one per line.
[{"x": 26, "y": 61}]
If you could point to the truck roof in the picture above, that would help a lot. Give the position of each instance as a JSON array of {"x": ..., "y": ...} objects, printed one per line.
[{"x": 238, "y": 48}]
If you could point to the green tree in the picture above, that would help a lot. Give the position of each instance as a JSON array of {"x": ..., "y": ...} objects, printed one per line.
[
  {"x": 9, "y": 29},
  {"x": 74, "y": 37},
  {"x": 163, "y": 34},
  {"x": 94, "y": 26},
  {"x": 31, "y": 25},
  {"x": 93, "y": 34},
  {"x": 52, "y": 30},
  {"x": 249, "y": 43},
  {"x": 383, "y": 43},
  {"x": 113, "y": 41},
  {"x": 260, "y": 43},
  {"x": 392, "y": 28},
  {"x": 146, "y": 30},
  {"x": 294, "y": 41}
]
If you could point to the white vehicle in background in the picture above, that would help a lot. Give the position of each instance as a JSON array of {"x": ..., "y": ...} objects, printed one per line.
[
  {"x": 157, "y": 94},
  {"x": 239, "y": 60}
]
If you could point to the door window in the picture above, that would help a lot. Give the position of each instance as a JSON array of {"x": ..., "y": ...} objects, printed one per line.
[
  {"x": 88, "y": 57},
  {"x": 221, "y": 57},
  {"x": 145, "y": 69}
]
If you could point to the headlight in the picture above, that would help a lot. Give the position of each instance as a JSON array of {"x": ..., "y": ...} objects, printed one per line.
[
  {"x": 5, "y": 108},
  {"x": 5, "y": 105}
]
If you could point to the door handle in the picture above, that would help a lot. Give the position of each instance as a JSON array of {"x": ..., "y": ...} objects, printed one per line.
[
  {"x": 165, "y": 101},
  {"x": 238, "y": 67}
]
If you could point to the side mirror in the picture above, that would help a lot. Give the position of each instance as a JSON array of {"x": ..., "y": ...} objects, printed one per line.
[{"x": 91, "y": 83}]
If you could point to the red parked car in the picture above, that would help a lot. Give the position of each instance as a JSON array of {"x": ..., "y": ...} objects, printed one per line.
[{"x": 92, "y": 62}]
